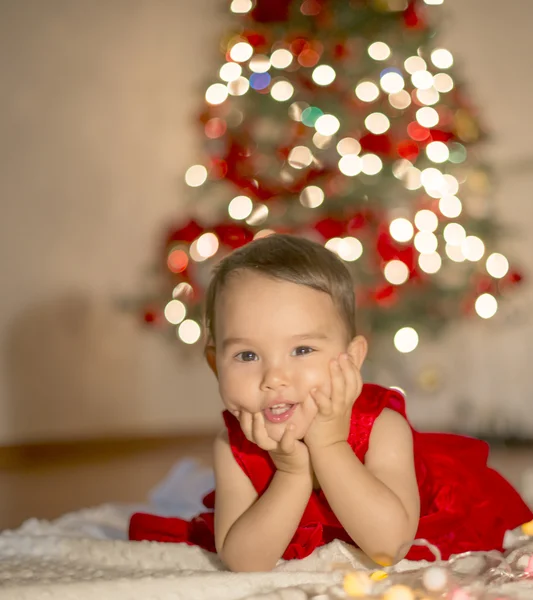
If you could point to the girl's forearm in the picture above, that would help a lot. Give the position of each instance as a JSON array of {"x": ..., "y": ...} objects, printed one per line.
[
  {"x": 259, "y": 537},
  {"x": 372, "y": 515}
]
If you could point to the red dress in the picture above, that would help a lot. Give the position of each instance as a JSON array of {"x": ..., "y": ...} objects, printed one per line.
[{"x": 465, "y": 505}]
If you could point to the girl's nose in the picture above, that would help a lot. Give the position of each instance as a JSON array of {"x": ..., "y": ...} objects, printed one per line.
[{"x": 274, "y": 378}]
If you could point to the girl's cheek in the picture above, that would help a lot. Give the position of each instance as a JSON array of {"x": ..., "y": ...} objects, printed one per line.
[{"x": 316, "y": 377}]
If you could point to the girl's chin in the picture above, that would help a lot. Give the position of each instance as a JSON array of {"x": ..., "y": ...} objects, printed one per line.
[{"x": 276, "y": 432}]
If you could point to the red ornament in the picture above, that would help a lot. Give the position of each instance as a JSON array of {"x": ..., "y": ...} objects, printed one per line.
[
  {"x": 188, "y": 233},
  {"x": 417, "y": 132},
  {"x": 151, "y": 316},
  {"x": 378, "y": 144},
  {"x": 386, "y": 295},
  {"x": 358, "y": 221},
  {"x": 215, "y": 128},
  {"x": 232, "y": 235},
  {"x": 340, "y": 51},
  {"x": 330, "y": 228},
  {"x": 438, "y": 135},
  {"x": 255, "y": 39},
  {"x": 389, "y": 249},
  {"x": 412, "y": 18},
  {"x": 408, "y": 150},
  {"x": 268, "y": 11},
  {"x": 218, "y": 169}
]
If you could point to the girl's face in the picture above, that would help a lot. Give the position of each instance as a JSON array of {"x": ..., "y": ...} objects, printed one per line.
[{"x": 274, "y": 343}]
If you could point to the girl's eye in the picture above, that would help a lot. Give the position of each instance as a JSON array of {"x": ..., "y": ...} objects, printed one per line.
[
  {"x": 246, "y": 356},
  {"x": 303, "y": 350}
]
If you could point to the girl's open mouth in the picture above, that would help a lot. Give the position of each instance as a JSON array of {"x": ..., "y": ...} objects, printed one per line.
[{"x": 279, "y": 413}]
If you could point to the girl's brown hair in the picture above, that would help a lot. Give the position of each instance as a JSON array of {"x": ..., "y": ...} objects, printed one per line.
[{"x": 289, "y": 258}]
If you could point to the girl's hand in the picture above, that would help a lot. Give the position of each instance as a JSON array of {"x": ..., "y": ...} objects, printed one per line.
[
  {"x": 289, "y": 454},
  {"x": 332, "y": 422}
]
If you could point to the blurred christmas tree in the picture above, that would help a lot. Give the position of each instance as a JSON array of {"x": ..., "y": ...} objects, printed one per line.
[{"x": 341, "y": 121}]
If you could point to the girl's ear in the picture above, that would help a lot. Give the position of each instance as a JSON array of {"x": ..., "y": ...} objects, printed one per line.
[
  {"x": 210, "y": 356},
  {"x": 357, "y": 350}
]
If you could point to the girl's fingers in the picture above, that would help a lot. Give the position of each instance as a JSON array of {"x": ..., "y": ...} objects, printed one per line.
[
  {"x": 261, "y": 437},
  {"x": 322, "y": 402},
  {"x": 351, "y": 377},
  {"x": 288, "y": 439},
  {"x": 338, "y": 387},
  {"x": 245, "y": 420}
]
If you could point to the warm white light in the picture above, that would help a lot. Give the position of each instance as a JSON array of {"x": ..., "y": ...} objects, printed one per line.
[
  {"x": 300, "y": 157},
  {"x": 372, "y": 164},
  {"x": 182, "y": 289},
  {"x": 241, "y": 52},
  {"x": 497, "y": 265},
  {"x": 437, "y": 152},
  {"x": 426, "y": 242},
  {"x": 207, "y": 245},
  {"x": 296, "y": 109},
  {"x": 323, "y": 75},
  {"x": 454, "y": 234},
  {"x": 392, "y": 82},
  {"x": 486, "y": 306},
  {"x": 367, "y": 91},
  {"x": 455, "y": 253},
  {"x": 175, "y": 312},
  {"x": 263, "y": 233},
  {"x": 430, "y": 263},
  {"x": 414, "y": 64},
  {"x": 327, "y": 124},
  {"x": 412, "y": 180},
  {"x": 321, "y": 141},
  {"x": 240, "y": 208},
  {"x": 400, "y": 167},
  {"x": 450, "y": 206},
  {"x": 196, "y": 175},
  {"x": 348, "y": 146},
  {"x": 230, "y": 71},
  {"x": 406, "y": 340},
  {"x": 379, "y": 51},
  {"x": 427, "y": 116},
  {"x": 350, "y": 165},
  {"x": 189, "y": 331},
  {"x": 241, "y": 6},
  {"x": 473, "y": 248},
  {"x": 401, "y": 229},
  {"x": 281, "y": 59},
  {"x": 428, "y": 97},
  {"x": 432, "y": 179},
  {"x": 433, "y": 2},
  {"x": 258, "y": 215},
  {"x": 349, "y": 249},
  {"x": 396, "y": 272},
  {"x": 443, "y": 82},
  {"x": 442, "y": 58},
  {"x": 426, "y": 220},
  {"x": 377, "y": 123},
  {"x": 422, "y": 80},
  {"x": 282, "y": 91},
  {"x": 400, "y": 100},
  {"x": 259, "y": 63},
  {"x": 216, "y": 93},
  {"x": 451, "y": 185},
  {"x": 239, "y": 86},
  {"x": 311, "y": 196},
  {"x": 332, "y": 244}
]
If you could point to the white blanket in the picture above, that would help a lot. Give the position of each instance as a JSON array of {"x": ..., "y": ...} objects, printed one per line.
[{"x": 72, "y": 559}]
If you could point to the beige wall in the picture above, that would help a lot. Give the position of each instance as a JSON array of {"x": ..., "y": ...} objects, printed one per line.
[{"x": 97, "y": 106}]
